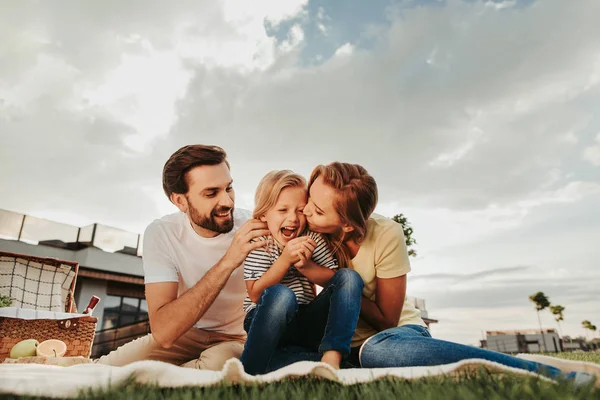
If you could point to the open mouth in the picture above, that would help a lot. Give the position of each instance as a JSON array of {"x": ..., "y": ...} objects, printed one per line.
[
  {"x": 289, "y": 232},
  {"x": 223, "y": 214}
]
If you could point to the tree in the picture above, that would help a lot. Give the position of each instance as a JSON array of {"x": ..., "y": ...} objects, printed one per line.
[
  {"x": 541, "y": 302},
  {"x": 557, "y": 311},
  {"x": 408, "y": 231},
  {"x": 589, "y": 326}
]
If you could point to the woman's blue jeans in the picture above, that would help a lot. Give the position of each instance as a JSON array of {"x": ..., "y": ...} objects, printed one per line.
[
  {"x": 327, "y": 323},
  {"x": 411, "y": 346}
]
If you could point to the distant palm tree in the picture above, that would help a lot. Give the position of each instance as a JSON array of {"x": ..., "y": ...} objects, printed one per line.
[
  {"x": 557, "y": 311},
  {"x": 541, "y": 302},
  {"x": 588, "y": 326}
]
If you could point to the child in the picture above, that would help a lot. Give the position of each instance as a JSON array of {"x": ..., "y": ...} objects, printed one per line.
[{"x": 281, "y": 305}]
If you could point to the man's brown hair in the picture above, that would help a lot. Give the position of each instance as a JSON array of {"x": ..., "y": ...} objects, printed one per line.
[{"x": 174, "y": 176}]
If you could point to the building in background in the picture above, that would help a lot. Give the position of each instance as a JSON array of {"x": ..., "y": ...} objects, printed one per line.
[
  {"x": 110, "y": 265},
  {"x": 523, "y": 341},
  {"x": 580, "y": 344},
  {"x": 420, "y": 305}
]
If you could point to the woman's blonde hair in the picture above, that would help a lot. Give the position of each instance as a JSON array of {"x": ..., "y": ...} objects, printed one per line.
[
  {"x": 355, "y": 201},
  {"x": 271, "y": 186}
]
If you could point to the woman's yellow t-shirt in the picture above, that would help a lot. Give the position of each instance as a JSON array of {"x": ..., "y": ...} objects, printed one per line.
[{"x": 382, "y": 254}]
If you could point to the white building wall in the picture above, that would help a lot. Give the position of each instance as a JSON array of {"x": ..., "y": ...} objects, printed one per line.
[
  {"x": 14, "y": 246},
  {"x": 509, "y": 343},
  {"x": 503, "y": 343},
  {"x": 89, "y": 257},
  {"x": 549, "y": 339}
]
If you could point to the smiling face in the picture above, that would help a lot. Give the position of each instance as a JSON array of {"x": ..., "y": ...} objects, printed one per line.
[
  {"x": 209, "y": 201},
  {"x": 285, "y": 219},
  {"x": 320, "y": 211}
]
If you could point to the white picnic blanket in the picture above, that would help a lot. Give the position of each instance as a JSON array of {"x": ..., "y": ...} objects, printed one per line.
[{"x": 55, "y": 381}]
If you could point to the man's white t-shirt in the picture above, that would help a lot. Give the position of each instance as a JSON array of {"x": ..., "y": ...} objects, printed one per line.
[{"x": 174, "y": 252}]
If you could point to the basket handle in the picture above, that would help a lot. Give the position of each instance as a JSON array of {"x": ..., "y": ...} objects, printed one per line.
[{"x": 70, "y": 306}]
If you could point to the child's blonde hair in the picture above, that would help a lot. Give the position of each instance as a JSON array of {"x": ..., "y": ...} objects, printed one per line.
[{"x": 271, "y": 186}]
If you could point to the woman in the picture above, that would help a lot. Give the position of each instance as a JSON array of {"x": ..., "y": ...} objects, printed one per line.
[{"x": 390, "y": 331}]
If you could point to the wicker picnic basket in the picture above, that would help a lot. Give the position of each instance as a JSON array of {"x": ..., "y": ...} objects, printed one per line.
[{"x": 45, "y": 284}]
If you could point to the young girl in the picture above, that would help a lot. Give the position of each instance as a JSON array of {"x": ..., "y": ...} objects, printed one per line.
[{"x": 280, "y": 279}]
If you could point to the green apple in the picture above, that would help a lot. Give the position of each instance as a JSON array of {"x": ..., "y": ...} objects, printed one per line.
[{"x": 25, "y": 348}]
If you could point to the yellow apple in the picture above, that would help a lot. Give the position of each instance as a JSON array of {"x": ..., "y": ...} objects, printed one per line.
[{"x": 25, "y": 348}]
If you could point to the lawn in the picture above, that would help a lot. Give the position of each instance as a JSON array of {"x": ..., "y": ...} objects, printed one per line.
[{"x": 469, "y": 386}]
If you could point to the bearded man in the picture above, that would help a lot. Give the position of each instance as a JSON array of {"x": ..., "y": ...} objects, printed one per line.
[{"x": 194, "y": 286}]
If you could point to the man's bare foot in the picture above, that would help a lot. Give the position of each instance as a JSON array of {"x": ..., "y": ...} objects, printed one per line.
[{"x": 333, "y": 358}]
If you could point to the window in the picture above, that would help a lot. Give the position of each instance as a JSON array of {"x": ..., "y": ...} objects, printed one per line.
[{"x": 120, "y": 310}]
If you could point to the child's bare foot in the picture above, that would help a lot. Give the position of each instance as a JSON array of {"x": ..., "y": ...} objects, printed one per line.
[{"x": 333, "y": 358}]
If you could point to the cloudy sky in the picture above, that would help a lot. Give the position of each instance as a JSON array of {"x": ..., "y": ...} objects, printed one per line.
[{"x": 476, "y": 118}]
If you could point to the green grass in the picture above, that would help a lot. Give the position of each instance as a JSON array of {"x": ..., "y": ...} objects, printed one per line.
[
  {"x": 468, "y": 386},
  {"x": 589, "y": 357}
]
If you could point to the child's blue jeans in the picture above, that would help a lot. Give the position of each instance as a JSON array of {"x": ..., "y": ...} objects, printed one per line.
[{"x": 327, "y": 323}]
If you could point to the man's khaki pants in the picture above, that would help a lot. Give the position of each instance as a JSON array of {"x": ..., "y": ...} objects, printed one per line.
[{"x": 196, "y": 348}]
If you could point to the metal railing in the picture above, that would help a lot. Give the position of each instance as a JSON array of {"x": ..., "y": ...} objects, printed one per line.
[{"x": 33, "y": 230}]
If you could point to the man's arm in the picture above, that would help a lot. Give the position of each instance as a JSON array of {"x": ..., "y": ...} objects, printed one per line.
[{"x": 172, "y": 316}]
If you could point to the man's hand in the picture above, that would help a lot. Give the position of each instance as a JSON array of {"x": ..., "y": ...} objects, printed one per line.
[{"x": 244, "y": 241}]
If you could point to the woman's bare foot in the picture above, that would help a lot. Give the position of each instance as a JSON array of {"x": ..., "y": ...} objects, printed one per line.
[{"x": 333, "y": 358}]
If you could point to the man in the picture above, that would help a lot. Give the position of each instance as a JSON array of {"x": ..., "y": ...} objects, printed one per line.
[{"x": 194, "y": 287}]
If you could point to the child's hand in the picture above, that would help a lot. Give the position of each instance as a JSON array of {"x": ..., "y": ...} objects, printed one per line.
[
  {"x": 297, "y": 248},
  {"x": 290, "y": 251},
  {"x": 305, "y": 253}
]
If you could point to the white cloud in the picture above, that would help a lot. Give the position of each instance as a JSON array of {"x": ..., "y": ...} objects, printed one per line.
[
  {"x": 447, "y": 159},
  {"x": 142, "y": 92},
  {"x": 295, "y": 38},
  {"x": 345, "y": 49},
  {"x": 592, "y": 153},
  {"x": 273, "y": 11},
  {"x": 322, "y": 19}
]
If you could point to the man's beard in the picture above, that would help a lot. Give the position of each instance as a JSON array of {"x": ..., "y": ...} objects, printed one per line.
[{"x": 209, "y": 222}]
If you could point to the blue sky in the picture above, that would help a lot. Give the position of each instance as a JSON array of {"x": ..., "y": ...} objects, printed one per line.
[{"x": 478, "y": 120}]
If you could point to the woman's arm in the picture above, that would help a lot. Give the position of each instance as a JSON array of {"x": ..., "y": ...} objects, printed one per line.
[{"x": 384, "y": 313}]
